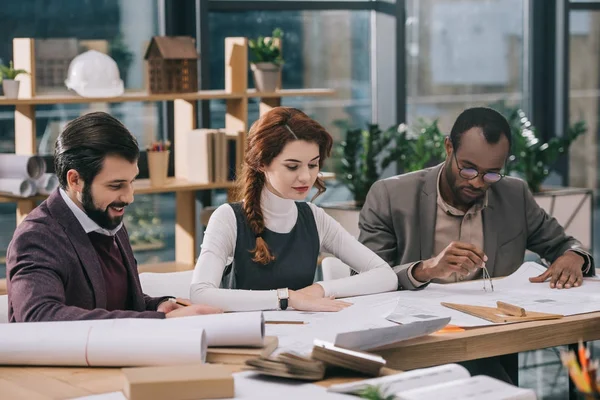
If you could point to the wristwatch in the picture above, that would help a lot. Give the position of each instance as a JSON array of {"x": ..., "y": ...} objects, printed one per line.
[{"x": 283, "y": 295}]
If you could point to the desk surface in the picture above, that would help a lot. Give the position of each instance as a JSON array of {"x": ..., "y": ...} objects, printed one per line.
[
  {"x": 61, "y": 383},
  {"x": 491, "y": 341}
]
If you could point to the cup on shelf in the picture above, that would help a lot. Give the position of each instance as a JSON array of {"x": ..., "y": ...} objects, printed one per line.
[{"x": 158, "y": 166}]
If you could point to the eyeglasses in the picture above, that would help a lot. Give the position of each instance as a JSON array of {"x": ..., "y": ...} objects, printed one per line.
[
  {"x": 487, "y": 276},
  {"x": 472, "y": 173}
]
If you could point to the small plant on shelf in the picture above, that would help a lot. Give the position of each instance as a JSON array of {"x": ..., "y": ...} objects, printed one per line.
[
  {"x": 267, "y": 61},
  {"x": 9, "y": 85}
]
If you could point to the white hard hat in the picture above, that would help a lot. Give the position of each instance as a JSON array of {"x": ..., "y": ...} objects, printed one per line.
[{"x": 94, "y": 74}]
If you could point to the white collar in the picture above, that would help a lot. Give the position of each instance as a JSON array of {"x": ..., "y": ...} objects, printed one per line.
[
  {"x": 86, "y": 222},
  {"x": 275, "y": 205}
]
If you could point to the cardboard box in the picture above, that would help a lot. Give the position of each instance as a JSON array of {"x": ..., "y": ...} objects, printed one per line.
[{"x": 178, "y": 382}]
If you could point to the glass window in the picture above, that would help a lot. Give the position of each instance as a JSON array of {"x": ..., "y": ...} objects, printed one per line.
[
  {"x": 63, "y": 29},
  {"x": 321, "y": 49},
  {"x": 584, "y": 96},
  {"x": 462, "y": 54}
]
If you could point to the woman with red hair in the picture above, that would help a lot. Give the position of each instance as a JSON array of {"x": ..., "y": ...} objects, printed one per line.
[{"x": 261, "y": 253}]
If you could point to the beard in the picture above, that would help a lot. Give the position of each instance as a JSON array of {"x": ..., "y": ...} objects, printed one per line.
[
  {"x": 457, "y": 191},
  {"x": 99, "y": 216}
]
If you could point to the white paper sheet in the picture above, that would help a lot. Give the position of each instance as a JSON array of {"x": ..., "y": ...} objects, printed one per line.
[
  {"x": 373, "y": 338},
  {"x": 167, "y": 284},
  {"x": 514, "y": 289},
  {"x": 74, "y": 344},
  {"x": 477, "y": 387},
  {"x": 222, "y": 330},
  {"x": 17, "y": 187},
  {"x": 249, "y": 385},
  {"x": 115, "y": 347},
  {"x": 21, "y": 166},
  {"x": 46, "y": 183},
  {"x": 406, "y": 380}
]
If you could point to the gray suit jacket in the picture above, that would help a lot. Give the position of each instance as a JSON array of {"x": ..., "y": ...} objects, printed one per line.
[
  {"x": 398, "y": 223},
  {"x": 54, "y": 272}
]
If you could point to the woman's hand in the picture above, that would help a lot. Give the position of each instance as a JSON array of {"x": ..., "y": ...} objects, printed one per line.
[
  {"x": 314, "y": 290},
  {"x": 304, "y": 302}
]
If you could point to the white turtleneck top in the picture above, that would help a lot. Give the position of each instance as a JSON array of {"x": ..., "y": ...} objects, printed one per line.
[{"x": 280, "y": 215}]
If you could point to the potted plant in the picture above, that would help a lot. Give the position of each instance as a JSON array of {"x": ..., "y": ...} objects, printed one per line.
[
  {"x": 532, "y": 160},
  {"x": 366, "y": 153},
  {"x": 267, "y": 61},
  {"x": 9, "y": 85}
]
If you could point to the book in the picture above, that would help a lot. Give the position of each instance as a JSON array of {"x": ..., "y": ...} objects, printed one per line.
[
  {"x": 313, "y": 367},
  {"x": 195, "y": 156},
  {"x": 239, "y": 355},
  {"x": 450, "y": 381},
  {"x": 289, "y": 365},
  {"x": 353, "y": 360}
]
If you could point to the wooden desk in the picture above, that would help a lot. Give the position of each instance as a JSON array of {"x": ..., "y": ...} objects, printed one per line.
[
  {"x": 491, "y": 341},
  {"x": 61, "y": 383}
]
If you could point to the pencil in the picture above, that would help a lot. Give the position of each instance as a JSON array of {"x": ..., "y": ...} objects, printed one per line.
[
  {"x": 182, "y": 302},
  {"x": 286, "y": 322}
]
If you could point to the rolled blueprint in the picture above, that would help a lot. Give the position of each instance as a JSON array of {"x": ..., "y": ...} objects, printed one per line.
[
  {"x": 222, "y": 330},
  {"x": 75, "y": 344},
  {"x": 46, "y": 184},
  {"x": 17, "y": 187},
  {"x": 21, "y": 166}
]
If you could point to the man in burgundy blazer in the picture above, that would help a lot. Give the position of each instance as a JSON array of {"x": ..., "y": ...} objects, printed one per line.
[
  {"x": 54, "y": 273},
  {"x": 71, "y": 259}
]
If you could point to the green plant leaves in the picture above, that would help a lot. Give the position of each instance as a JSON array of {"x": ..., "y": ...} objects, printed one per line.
[
  {"x": 264, "y": 50},
  {"x": 366, "y": 153},
  {"x": 532, "y": 158},
  {"x": 9, "y": 72}
]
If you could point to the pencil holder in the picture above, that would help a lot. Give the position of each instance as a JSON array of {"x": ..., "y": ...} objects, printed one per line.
[
  {"x": 587, "y": 396},
  {"x": 158, "y": 166}
]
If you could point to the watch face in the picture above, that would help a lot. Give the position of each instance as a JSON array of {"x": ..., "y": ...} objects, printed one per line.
[{"x": 282, "y": 293}]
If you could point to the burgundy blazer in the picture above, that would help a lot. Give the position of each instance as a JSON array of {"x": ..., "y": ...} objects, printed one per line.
[{"x": 54, "y": 274}]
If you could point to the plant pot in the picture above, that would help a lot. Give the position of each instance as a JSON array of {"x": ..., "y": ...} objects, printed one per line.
[
  {"x": 158, "y": 166},
  {"x": 10, "y": 88},
  {"x": 266, "y": 76}
]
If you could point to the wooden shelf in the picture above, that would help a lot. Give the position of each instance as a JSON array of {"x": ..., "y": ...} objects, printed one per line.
[
  {"x": 164, "y": 267},
  {"x": 71, "y": 98},
  {"x": 235, "y": 94},
  {"x": 292, "y": 93},
  {"x": 143, "y": 186}
]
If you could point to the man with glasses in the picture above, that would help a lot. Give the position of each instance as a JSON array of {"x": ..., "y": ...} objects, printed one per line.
[{"x": 464, "y": 219}]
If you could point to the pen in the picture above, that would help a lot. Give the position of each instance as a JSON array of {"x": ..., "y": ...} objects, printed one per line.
[
  {"x": 286, "y": 322},
  {"x": 181, "y": 302}
]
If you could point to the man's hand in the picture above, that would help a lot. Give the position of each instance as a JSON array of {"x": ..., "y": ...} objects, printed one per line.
[
  {"x": 565, "y": 272},
  {"x": 458, "y": 257},
  {"x": 171, "y": 304},
  {"x": 173, "y": 310}
]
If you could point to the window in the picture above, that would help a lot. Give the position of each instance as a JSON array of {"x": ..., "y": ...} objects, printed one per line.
[
  {"x": 326, "y": 49},
  {"x": 462, "y": 54},
  {"x": 63, "y": 29}
]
